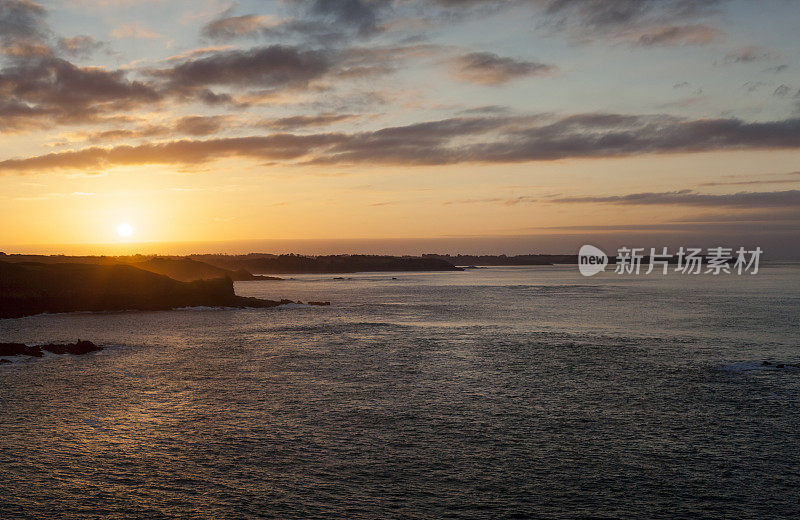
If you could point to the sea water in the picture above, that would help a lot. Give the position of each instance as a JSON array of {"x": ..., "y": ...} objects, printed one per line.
[{"x": 505, "y": 392}]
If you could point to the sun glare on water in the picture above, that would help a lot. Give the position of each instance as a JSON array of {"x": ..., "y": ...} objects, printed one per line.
[{"x": 125, "y": 230}]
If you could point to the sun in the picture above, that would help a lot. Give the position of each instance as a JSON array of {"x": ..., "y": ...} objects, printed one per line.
[{"x": 125, "y": 230}]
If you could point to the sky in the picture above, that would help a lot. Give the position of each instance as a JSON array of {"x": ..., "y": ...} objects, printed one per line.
[{"x": 399, "y": 126}]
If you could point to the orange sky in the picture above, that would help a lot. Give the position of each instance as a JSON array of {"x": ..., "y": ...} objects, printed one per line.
[{"x": 396, "y": 122}]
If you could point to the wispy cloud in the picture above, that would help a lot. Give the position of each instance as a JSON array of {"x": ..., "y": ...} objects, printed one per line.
[
  {"x": 233, "y": 27},
  {"x": 490, "y": 140},
  {"x": 749, "y": 54},
  {"x": 694, "y": 34},
  {"x": 486, "y": 68},
  {"x": 133, "y": 30},
  {"x": 748, "y": 199}
]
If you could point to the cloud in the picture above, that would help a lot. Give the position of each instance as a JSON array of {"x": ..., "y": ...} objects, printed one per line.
[
  {"x": 55, "y": 90},
  {"x": 232, "y": 27},
  {"x": 782, "y": 91},
  {"x": 188, "y": 125},
  {"x": 695, "y": 34},
  {"x": 363, "y": 15},
  {"x": 271, "y": 66},
  {"x": 744, "y": 199},
  {"x": 198, "y": 52},
  {"x": 513, "y": 201},
  {"x": 264, "y": 71},
  {"x": 183, "y": 152},
  {"x": 756, "y": 182},
  {"x": 755, "y": 215},
  {"x": 749, "y": 54},
  {"x": 458, "y": 140},
  {"x": 608, "y": 14},
  {"x": 200, "y": 125},
  {"x": 133, "y": 30},
  {"x": 485, "y": 68},
  {"x": 81, "y": 46},
  {"x": 23, "y": 30},
  {"x": 508, "y": 140},
  {"x": 295, "y": 122},
  {"x": 642, "y": 22},
  {"x": 777, "y": 69}
]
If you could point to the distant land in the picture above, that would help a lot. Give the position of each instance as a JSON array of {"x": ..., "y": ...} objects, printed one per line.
[
  {"x": 242, "y": 267},
  {"x": 33, "y": 284},
  {"x": 472, "y": 260},
  {"x": 299, "y": 264}
]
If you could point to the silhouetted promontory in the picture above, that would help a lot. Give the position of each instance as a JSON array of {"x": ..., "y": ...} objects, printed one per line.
[
  {"x": 188, "y": 270},
  {"x": 31, "y": 288},
  {"x": 176, "y": 267}
]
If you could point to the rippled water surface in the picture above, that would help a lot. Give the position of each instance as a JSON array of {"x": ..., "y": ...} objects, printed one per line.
[{"x": 489, "y": 393}]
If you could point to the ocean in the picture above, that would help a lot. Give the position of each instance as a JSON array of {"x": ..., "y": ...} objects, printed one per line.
[{"x": 504, "y": 392}]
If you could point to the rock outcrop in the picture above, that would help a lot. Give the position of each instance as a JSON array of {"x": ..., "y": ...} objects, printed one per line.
[
  {"x": 20, "y": 349},
  {"x": 32, "y": 288}
]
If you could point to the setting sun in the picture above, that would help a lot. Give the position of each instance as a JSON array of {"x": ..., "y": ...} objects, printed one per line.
[{"x": 125, "y": 230}]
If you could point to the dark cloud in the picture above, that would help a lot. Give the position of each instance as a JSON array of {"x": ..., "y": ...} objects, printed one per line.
[
  {"x": 505, "y": 140},
  {"x": 332, "y": 22},
  {"x": 362, "y": 15},
  {"x": 22, "y": 27},
  {"x": 262, "y": 71},
  {"x": 271, "y": 66},
  {"x": 55, "y": 90},
  {"x": 750, "y": 199},
  {"x": 465, "y": 140},
  {"x": 486, "y": 68},
  {"x": 232, "y": 27}
]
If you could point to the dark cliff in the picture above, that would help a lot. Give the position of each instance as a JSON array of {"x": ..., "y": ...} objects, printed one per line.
[{"x": 31, "y": 288}]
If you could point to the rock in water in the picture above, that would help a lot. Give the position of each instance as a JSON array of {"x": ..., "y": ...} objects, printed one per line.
[
  {"x": 81, "y": 347},
  {"x": 19, "y": 349}
]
